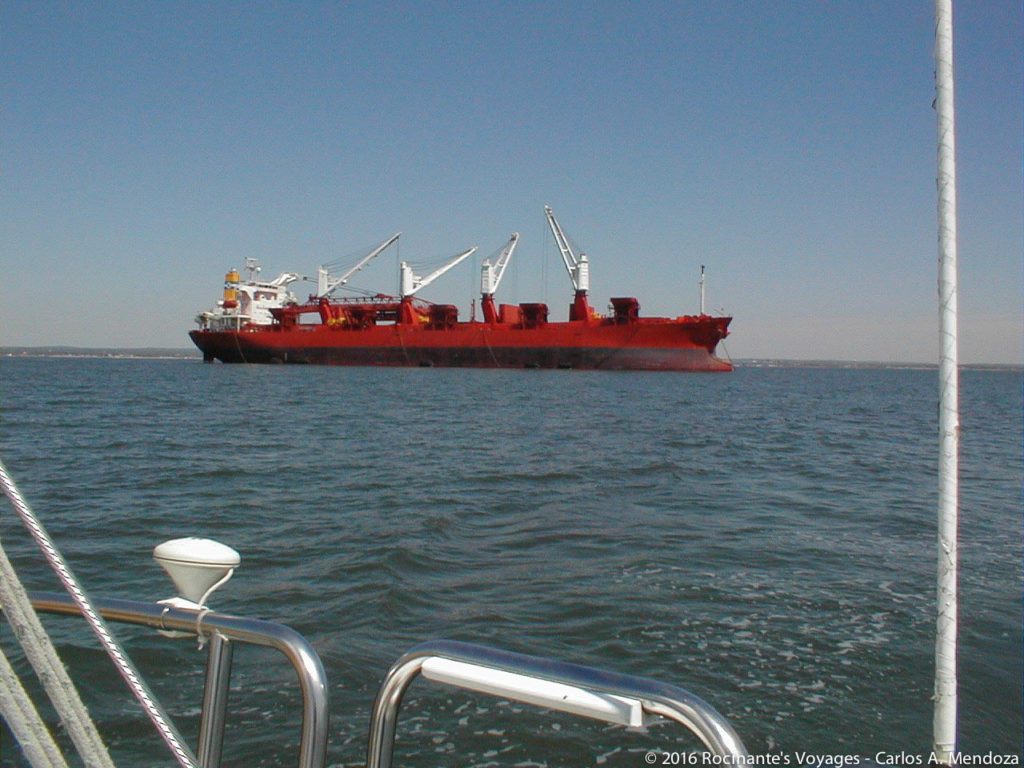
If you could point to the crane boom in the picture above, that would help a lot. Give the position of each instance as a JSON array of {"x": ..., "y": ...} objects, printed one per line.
[
  {"x": 326, "y": 284},
  {"x": 410, "y": 283},
  {"x": 284, "y": 279},
  {"x": 491, "y": 274},
  {"x": 578, "y": 269}
]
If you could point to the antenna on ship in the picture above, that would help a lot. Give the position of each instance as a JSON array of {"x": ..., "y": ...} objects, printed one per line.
[
  {"x": 702, "y": 289},
  {"x": 252, "y": 266}
]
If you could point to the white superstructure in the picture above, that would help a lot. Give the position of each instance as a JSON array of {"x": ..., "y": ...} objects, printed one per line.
[{"x": 249, "y": 301}]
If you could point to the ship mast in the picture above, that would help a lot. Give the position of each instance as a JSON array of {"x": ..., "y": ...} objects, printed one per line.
[
  {"x": 578, "y": 269},
  {"x": 945, "y": 719},
  {"x": 702, "y": 289}
]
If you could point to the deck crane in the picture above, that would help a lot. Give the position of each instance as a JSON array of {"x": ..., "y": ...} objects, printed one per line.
[
  {"x": 578, "y": 269},
  {"x": 409, "y": 282},
  {"x": 326, "y": 285},
  {"x": 490, "y": 277},
  {"x": 252, "y": 266}
]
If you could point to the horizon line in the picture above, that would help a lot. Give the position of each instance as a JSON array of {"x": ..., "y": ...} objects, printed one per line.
[{"x": 70, "y": 350}]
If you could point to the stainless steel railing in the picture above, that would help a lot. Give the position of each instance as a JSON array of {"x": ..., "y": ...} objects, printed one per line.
[
  {"x": 548, "y": 683},
  {"x": 556, "y": 685},
  {"x": 222, "y": 630}
]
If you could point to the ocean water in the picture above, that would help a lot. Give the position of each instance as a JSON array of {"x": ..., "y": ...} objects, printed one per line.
[{"x": 765, "y": 539}]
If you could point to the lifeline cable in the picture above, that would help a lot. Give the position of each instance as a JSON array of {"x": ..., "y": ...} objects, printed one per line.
[{"x": 124, "y": 665}]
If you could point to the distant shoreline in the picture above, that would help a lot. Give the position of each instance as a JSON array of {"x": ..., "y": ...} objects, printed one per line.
[{"x": 183, "y": 353}]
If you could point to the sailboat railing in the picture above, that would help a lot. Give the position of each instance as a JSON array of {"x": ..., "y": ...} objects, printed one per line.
[
  {"x": 223, "y": 629},
  {"x": 550, "y": 684}
]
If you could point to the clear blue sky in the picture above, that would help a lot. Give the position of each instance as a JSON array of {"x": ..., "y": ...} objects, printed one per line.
[{"x": 789, "y": 146}]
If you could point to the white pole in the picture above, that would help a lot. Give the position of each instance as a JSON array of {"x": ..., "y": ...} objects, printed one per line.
[
  {"x": 702, "y": 289},
  {"x": 944, "y": 731}
]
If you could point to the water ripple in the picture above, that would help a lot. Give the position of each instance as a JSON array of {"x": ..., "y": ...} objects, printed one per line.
[{"x": 764, "y": 539}]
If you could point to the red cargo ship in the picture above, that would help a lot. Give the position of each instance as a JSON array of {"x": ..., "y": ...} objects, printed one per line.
[{"x": 262, "y": 322}]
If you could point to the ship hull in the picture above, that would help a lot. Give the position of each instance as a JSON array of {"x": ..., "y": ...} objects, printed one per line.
[{"x": 682, "y": 344}]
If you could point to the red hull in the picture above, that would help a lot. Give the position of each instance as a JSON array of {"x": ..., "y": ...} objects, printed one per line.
[{"x": 659, "y": 344}]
